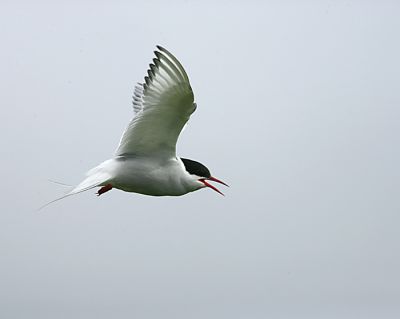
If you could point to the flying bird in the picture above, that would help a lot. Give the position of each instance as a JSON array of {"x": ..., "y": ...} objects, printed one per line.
[{"x": 145, "y": 161}]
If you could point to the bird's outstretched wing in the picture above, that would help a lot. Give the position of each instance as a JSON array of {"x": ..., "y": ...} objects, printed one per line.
[{"x": 162, "y": 106}]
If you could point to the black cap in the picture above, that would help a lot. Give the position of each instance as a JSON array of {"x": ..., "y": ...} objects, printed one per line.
[{"x": 196, "y": 168}]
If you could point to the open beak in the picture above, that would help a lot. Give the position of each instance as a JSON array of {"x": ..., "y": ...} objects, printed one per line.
[{"x": 204, "y": 181}]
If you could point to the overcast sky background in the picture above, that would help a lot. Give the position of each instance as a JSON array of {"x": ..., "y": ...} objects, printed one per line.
[{"x": 298, "y": 110}]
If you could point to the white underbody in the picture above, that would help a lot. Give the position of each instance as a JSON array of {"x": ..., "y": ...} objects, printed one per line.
[{"x": 147, "y": 175}]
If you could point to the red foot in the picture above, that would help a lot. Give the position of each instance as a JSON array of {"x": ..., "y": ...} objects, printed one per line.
[{"x": 104, "y": 189}]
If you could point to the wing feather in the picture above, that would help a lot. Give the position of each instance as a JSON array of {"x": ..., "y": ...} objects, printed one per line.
[
  {"x": 175, "y": 60},
  {"x": 162, "y": 106}
]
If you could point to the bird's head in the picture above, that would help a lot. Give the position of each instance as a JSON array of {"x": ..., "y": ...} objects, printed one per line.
[{"x": 201, "y": 175}]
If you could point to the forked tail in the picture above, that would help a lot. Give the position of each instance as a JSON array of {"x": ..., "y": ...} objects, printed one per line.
[{"x": 95, "y": 179}]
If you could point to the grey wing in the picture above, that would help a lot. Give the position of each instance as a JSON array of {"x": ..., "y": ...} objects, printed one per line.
[{"x": 162, "y": 106}]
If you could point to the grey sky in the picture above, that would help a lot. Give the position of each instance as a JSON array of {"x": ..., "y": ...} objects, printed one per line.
[{"x": 298, "y": 110}]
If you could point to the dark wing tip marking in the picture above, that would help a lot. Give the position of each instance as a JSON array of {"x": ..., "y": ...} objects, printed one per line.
[
  {"x": 151, "y": 73},
  {"x": 158, "y": 55},
  {"x": 152, "y": 67},
  {"x": 156, "y": 62},
  {"x": 170, "y": 65}
]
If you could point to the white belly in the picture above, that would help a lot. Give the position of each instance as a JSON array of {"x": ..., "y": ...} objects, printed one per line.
[{"x": 150, "y": 177}]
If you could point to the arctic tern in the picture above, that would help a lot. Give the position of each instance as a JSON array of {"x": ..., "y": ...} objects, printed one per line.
[{"x": 145, "y": 161}]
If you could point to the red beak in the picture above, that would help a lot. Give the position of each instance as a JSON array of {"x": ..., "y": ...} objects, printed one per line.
[{"x": 204, "y": 181}]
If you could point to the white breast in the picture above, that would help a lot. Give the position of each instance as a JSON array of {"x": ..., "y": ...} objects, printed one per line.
[{"x": 152, "y": 176}]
